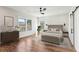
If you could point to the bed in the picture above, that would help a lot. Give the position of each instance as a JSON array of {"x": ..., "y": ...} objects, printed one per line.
[{"x": 54, "y": 34}]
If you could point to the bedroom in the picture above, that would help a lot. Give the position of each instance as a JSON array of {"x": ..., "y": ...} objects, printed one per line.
[{"x": 54, "y": 28}]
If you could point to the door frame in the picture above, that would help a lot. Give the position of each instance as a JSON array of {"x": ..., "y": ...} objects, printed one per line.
[{"x": 74, "y": 35}]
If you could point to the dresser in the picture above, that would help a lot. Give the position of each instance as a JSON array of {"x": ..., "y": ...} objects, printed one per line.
[{"x": 11, "y": 36}]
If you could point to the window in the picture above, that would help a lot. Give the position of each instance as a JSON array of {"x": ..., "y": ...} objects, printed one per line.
[{"x": 22, "y": 24}]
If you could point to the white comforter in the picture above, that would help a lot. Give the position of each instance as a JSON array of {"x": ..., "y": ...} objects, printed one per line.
[{"x": 50, "y": 33}]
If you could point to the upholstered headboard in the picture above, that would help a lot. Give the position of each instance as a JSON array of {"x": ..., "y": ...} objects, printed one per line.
[{"x": 56, "y": 26}]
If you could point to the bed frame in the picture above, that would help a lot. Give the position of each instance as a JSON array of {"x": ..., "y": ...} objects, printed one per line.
[{"x": 53, "y": 39}]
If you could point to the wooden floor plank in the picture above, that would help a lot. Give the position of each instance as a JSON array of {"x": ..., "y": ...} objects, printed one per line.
[{"x": 29, "y": 44}]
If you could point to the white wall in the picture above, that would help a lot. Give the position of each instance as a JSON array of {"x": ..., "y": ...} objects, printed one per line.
[
  {"x": 4, "y": 11},
  {"x": 57, "y": 20},
  {"x": 77, "y": 30}
]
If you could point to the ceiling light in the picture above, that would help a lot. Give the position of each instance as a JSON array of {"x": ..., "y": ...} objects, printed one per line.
[{"x": 42, "y": 10}]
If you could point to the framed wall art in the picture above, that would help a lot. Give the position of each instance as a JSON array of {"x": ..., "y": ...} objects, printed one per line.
[{"x": 8, "y": 21}]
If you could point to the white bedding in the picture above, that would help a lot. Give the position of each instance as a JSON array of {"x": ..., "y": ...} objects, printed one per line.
[{"x": 56, "y": 34}]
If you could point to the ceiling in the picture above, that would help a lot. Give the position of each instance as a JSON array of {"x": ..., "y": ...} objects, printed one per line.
[{"x": 35, "y": 10}]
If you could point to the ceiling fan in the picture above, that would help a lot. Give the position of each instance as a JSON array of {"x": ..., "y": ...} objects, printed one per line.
[{"x": 42, "y": 10}]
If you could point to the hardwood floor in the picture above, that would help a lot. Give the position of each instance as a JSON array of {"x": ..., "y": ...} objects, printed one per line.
[{"x": 32, "y": 44}]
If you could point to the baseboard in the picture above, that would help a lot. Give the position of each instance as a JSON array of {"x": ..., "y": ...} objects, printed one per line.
[{"x": 72, "y": 45}]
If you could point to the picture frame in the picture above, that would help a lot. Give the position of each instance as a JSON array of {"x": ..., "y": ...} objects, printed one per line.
[{"x": 8, "y": 21}]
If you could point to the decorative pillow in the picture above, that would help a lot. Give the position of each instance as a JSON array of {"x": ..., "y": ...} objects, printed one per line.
[
  {"x": 49, "y": 29},
  {"x": 57, "y": 29}
]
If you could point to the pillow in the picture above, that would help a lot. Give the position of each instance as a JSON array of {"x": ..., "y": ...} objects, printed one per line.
[
  {"x": 52, "y": 29},
  {"x": 49, "y": 29},
  {"x": 57, "y": 29}
]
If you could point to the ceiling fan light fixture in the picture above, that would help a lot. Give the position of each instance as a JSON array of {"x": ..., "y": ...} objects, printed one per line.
[
  {"x": 42, "y": 10},
  {"x": 42, "y": 13}
]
